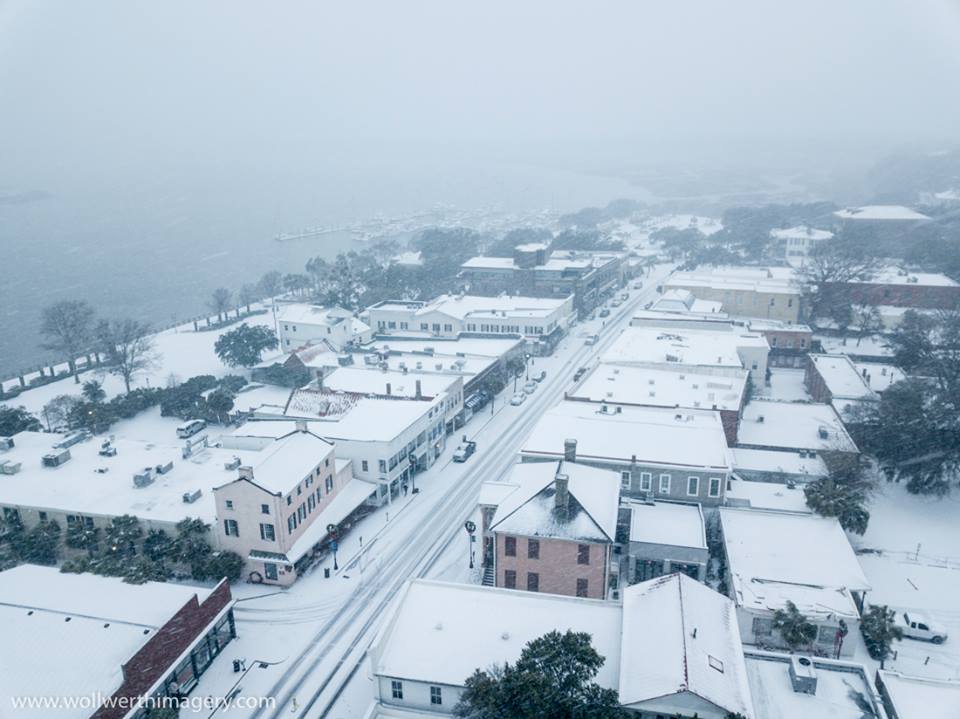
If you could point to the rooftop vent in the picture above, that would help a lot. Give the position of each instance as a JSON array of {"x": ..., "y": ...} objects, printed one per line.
[
  {"x": 803, "y": 675},
  {"x": 144, "y": 478},
  {"x": 232, "y": 464},
  {"x": 191, "y": 497},
  {"x": 760, "y": 419},
  {"x": 823, "y": 433},
  {"x": 164, "y": 468},
  {"x": 6, "y": 443},
  {"x": 8, "y": 467}
]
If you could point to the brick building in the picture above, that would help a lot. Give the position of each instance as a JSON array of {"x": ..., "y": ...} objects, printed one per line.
[
  {"x": 897, "y": 287},
  {"x": 555, "y": 532},
  {"x": 82, "y": 635}
]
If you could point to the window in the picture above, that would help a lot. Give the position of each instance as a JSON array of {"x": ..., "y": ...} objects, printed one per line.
[
  {"x": 448, "y": 328},
  {"x": 301, "y": 512},
  {"x": 715, "y": 663},
  {"x": 231, "y": 528},
  {"x": 583, "y": 554},
  {"x": 328, "y": 483},
  {"x": 436, "y": 696},
  {"x": 291, "y": 522},
  {"x": 509, "y": 579},
  {"x": 424, "y": 327},
  {"x": 533, "y": 582},
  {"x": 383, "y": 465},
  {"x": 289, "y": 500},
  {"x": 311, "y": 502},
  {"x": 396, "y": 689},
  {"x": 714, "y": 486},
  {"x": 299, "y": 490},
  {"x": 43, "y": 516},
  {"x": 625, "y": 480},
  {"x": 582, "y": 587},
  {"x": 773, "y": 341},
  {"x": 392, "y": 325},
  {"x": 364, "y": 466},
  {"x": 533, "y": 549},
  {"x": 664, "y": 484},
  {"x": 270, "y": 570},
  {"x": 693, "y": 486},
  {"x": 326, "y": 462},
  {"x": 264, "y": 509},
  {"x": 267, "y": 532},
  {"x": 229, "y": 504},
  {"x": 403, "y": 325},
  {"x": 510, "y": 546},
  {"x": 436, "y": 326}
]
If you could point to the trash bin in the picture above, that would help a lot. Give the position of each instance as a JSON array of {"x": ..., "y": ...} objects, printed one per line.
[
  {"x": 236, "y": 666},
  {"x": 326, "y": 572}
]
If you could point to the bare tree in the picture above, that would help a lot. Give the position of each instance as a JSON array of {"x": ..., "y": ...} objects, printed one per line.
[
  {"x": 56, "y": 412},
  {"x": 220, "y": 302},
  {"x": 867, "y": 320},
  {"x": 129, "y": 347},
  {"x": 271, "y": 284},
  {"x": 827, "y": 275},
  {"x": 248, "y": 294},
  {"x": 68, "y": 328}
]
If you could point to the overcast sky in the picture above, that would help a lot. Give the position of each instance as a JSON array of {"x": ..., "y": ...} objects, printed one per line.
[{"x": 95, "y": 85}]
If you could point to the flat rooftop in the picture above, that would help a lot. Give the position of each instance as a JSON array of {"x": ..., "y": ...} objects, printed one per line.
[
  {"x": 671, "y": 438},
  {"x": 462, "y": 306},
  {"x": 308, "y": 314},
  {"x": 467, "y": 346},
  {"x": 670, "y": 387},
  {"x": 441, "y": 632},
  {"x": 69, "y": 634},
  {"x": 766, "y": 495},
  {"x": 435, "y": 364},
  {"x": 801, "y": 232},
  {"x": 919, "y": 698},
  {"x": 778, "y": 556},
  {"x": 768, "y": 461},
  {"x": 900, "y": 276},
  {"x": 693, "y": 347},
  {"x": 843, "y": 690},
  {"x": 676, "y": 525},
  {"x": 775, "y": 280},
  {"x": 793, "y": 425},
  {"x": 372, "y": 380},
  {"x": 841, "y": 377}
]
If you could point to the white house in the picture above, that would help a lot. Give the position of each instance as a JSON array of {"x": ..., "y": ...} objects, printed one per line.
[{"x": 301, "y": 324}]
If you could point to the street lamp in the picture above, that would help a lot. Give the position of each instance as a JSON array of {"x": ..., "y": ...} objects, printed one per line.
[
  {"x": 471, "y": 528},
  {"x": 332, "y": 531}
]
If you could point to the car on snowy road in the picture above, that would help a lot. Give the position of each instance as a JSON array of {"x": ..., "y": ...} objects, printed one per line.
[
  {"x": 518, "y": 399},
  {"x": 919, "y": 625}
]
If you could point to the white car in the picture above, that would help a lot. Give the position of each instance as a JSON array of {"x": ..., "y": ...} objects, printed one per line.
[
  {"x": 918, "y": 625},
  {"x": 530, "y": 387},
  {"x": 188, "y": 429},
  {"x": 518, "y": 399}
]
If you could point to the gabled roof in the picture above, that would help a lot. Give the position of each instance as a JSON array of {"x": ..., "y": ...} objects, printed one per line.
[
  {"x": 681, "y": 636},
  {"x": 529, "y": 510}
]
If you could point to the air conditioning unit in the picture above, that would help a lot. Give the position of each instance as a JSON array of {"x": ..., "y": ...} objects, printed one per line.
[
  {"x": 72, "y": 439},
  {"x": 55, "y": 459},
  {"x": 191, "y": 497},
  {"x": 6, "y": 443},
  {"x": 803, "y": 675},
  {"x": 232, "y": 464},
  {"x": 823, "y": 433},
  {"x": 144, "y": 478},
  {"x": 164, "y": 468}
]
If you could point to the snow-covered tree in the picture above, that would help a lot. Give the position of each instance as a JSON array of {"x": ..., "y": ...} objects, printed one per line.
[
  {"x": 67, "y": 327},
  {"x": 17, "y": 419},
  {"x": 879, "y": 629},
  {"x": 797, "y": 631},
  {"x": 243, "y": 346},
  {"x": 128, "y": 346},
  {"x": 220, "y": 302}
]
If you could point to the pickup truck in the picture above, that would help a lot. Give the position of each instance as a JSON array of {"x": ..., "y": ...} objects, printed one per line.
[
  {"x": 918, "y": 625},
  {"x": 464, "y": 450}
]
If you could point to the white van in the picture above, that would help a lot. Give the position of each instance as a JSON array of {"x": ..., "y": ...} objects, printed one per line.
[{"x": 188, "y": 429}]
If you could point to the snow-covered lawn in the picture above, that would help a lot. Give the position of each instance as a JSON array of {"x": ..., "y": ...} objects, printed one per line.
[{"x": 182, "y": 353}]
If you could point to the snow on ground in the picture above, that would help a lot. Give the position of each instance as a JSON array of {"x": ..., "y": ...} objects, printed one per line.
[
  {"x": 785, "y": 385},
  {"x": 869, "y": 346},
  {"x": 182, "y": 352}
]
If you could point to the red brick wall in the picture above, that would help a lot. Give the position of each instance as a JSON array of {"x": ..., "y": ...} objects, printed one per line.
[
  {"x": 557, "y": 566},
  {"x": 788, "y": 339},
  {"x": 905, "y": 295},
  {"x": 730, "y": 419},
  {"x": 815, "y": 384},
  {"x": 155, "y": 659}
]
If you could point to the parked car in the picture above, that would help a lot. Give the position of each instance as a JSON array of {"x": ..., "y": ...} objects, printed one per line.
[
  {"x": 637, "y": 285},
  {"x": 579, "y": 373},
  {"x": 919, "y": 625},
  {"x": 604, "y": 312},
  {"x": 591, "y": 340},
  {"x": 518, "y": 399},
  {"x": 540, "y": 377},
  {"x": 616, "y": 303},
  {"x": 464, "y": 450},
  {"x": 530, "y": 387},
  {"x": 188, "y": 429}
]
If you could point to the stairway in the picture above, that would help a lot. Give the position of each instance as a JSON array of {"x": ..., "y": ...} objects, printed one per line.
[{"x": 488, "y": 577}]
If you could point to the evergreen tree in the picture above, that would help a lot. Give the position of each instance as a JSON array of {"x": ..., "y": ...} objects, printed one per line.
[
  {"x": 158, "y": 546},
  {"x": 243, "y": 346},
  {"x": 122, "y": 536},
  {"x": 82, "y": 536},
  {"x": 220, "y": 565},
  {"x": 17, "y": 419},
  {"x": 191, "y": 546},
  {"x": 797, "y": 631},
  {"x": 552, "y": 679},
  {"x": 879, "y": 629},
  {"x": 142, "y": 570}
]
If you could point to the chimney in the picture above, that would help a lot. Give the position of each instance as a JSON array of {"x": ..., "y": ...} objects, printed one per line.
[
  {"x": 246, "y": 472},
  {"x": 569, "y": 450},
  {"x": 388, "y": 389},
  {"x": 301, "y": 425},
  {"x": 561, "y": 506},
  {"x": 419, "y": 390}
]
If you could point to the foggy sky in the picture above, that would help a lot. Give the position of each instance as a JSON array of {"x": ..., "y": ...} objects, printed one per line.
[{"x": 99, "y": 87}]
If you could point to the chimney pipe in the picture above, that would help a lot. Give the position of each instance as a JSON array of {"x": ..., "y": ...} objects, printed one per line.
[
  {"x": 388, "y": 389},
  {"x": 570, "y": 450},
  {"x": 301, "y": 425},
  {"x": 561, "y": 507},
  {"x": 419, "y": 390}
]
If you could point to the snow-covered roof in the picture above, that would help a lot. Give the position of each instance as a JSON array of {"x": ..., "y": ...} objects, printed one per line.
[
  {"x": 45, "y": 655},
  {"x": 489, "y": 263},
  {"x": 412, "y": 258},
  {"x": 284, "y": 463},
  {"x": 670, "y": 523},
  {"x": 899, "y": 276},
  {"x": 777, "y": 280},
  {"x": 666, "y": 387},
  {"x": 841, "y": 377},
  {"x": 769, "y": 461},
  {"x": 692, "y": 347},
  {"x": 801, "y": 232},
  {"x": 493, "y": 493},
  {"x": 374, "y": 381},
  {"x": 436, "y": 363},
  {"x": 921, "y": 698},
  {"x": 843, "y": 690},
  {"x": 679, "y": 300},
  {"x": 793, "y": 425},
  {"x": 778, "y": 556},
  {"x": 880, "y": 375},
  {"x": 532, "y": 246},
  {"x": 467, "y": 346},
  {"x": 530, "y": 510},
  {"x": 651, "y": 435},
  {"x": 367, "y": 419},
  {"x": 256, "y": 395},
  {"x": 681, "y": 636},
  {"x": 318, "y": 356},
  {"x": 441, "y": 632},
  {"x": 307, "y": 314},
  {"x": 765, "y": 495},
  {"x": 880, "y": 212},
  {"x": 463, "y": 306}
]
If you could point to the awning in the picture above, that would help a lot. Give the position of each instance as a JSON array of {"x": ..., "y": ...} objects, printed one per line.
[{"x": 351, "y": 496}]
